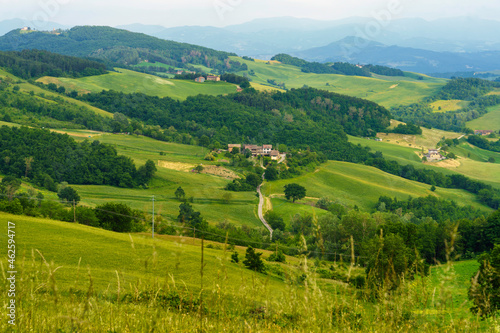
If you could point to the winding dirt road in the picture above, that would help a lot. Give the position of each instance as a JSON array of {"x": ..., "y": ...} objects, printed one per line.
[{"x": 261, "y": 204}]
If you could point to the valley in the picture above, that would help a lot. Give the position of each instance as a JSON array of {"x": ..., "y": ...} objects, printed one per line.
[{"x": 382, "y": 201}]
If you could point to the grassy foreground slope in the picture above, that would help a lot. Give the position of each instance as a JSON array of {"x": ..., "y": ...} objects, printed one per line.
[
  {"x": 81, "y": 250},
  {"x": 384, "y": 90},
  {"x": 77, "y": 278},
  {"x": 130, "y": 82}
]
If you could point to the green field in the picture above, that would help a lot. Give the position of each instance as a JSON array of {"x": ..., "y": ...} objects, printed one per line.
[
  {"x": 206, "y": 190},
  {"x": 105, "y": 254},
  {"x": 130, "y": 82},
  {"x": 77, "y": 278},
  {"x": 39, "y": 92},
  {"x": 490, "y": 121},
  {"x": 486, "y": 172},
  {"x": 448, "y": 105},
  {"x": 474, "y": 153},
  {"x": 354, "y": 184},
  {"x": 428, "y": 139},
  {"x": 385, "y": 90},
  {"x": 350, "y": 184}
]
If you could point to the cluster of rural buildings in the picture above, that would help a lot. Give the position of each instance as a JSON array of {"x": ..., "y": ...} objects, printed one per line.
[
  {"x": 434, "y": 155},
  {"x": 264, "y": 150},
  {"x": 483, "y": 132},
  {"x": 201, "y": 79}
]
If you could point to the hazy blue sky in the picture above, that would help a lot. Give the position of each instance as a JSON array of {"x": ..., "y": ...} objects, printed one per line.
[{"x": 226, "y": 12}]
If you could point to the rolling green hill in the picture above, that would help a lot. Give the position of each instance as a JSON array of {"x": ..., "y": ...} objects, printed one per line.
[
  {"x": 474, "y": 167},
  {"x": 129, "y": 81},
  {"x": 113, "y": 45},
  {"x": 354, "y": 184},
  {"x": 490, "y": 121},
  {"x": 74, "y": 277},
  {"x": 351, "y": 184},
  {"x": 384, "y": 90},
  {"x": 27, "y": 88}
]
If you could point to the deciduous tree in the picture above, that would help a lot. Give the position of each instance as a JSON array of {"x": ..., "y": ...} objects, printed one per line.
[{"x": 294, "y": 191}]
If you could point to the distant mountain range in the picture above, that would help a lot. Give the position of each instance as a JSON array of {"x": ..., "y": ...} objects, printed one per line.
[
  {"x": 286, "y": 34},
  {"x": 445, "y": 45},
  {"x": 357, "y": 50}
]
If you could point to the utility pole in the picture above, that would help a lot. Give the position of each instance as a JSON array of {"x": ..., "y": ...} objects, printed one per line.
[
  {"x": 74, "y": 211},
  {"x": 153, "y": 220}
]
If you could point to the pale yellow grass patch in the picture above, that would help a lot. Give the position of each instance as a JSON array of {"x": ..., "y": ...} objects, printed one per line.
[
  {"x": 163, "y": 81},
  {"x": 179, "y": 166},
  {"x": 448, "y": 164},
  {"x": 394, "y": 86},
  {"x": 219, "y": 171}
]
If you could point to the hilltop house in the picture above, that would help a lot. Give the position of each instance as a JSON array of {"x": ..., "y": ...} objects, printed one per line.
[
  {"x": 200, "y": 79},
  {"x": 483, "y": 132},
  {"x": 434, "y": 155}
]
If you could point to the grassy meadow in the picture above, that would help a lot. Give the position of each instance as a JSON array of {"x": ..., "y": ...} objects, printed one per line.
[
  {"x": 349, "y": 184},
  {"x": 353, "y": 184},
  {"x": 130, "y": 82},
  {"x": 26, "y": 87},
  {"x": 448, "y": 105},
  {"x": 489, "y": 121},
  {"x": 207, "y": 190},
  {"x": 74, "y": 278},
  {"x": 428, "y": 139},
  {"x": 385, "y": 90},
  {"x": 474, "y": 166}
]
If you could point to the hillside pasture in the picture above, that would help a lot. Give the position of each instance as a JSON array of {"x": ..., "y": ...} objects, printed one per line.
[
  {"x": 359, "y": 185},
  {"x": 385, "y": 90},
  {"x": 428, "y": 139},
  {"x": 131, "y": 82},
  {"x": 448, "y": 105},
  {"x": 489, "y": 121},
  {"x": 486, "y": 172}
]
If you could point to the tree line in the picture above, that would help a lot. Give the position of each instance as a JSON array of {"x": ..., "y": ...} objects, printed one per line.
[
  {"x": 468, "y": 89},
  {"x": 343, "y": 68},
  {"x": 299, "y": 118},
  {"x": 46, "y": 158},
  {"x": 484, "y": 143},
  {"x": 33, "y": 64}
]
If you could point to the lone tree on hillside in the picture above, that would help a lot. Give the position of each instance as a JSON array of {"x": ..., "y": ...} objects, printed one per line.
[
  {"x": 294, "y": 191},
  {"x": 180, "y": 194},
  {"x": 253, "y": 260},
  {"x": 69, "y": 194}
]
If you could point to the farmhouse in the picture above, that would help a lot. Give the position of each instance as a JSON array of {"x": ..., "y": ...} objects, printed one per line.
[
  {"x": 200, "y": 79},
  {"x": 264, "y": 150},
  {"x": 275, "y": 155},
  {"x": 483, "y": 132},
  {"x": 434, "y": 155},
  {"x": 213, "y": 78},
  {"x": 231, "y": 146}
]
